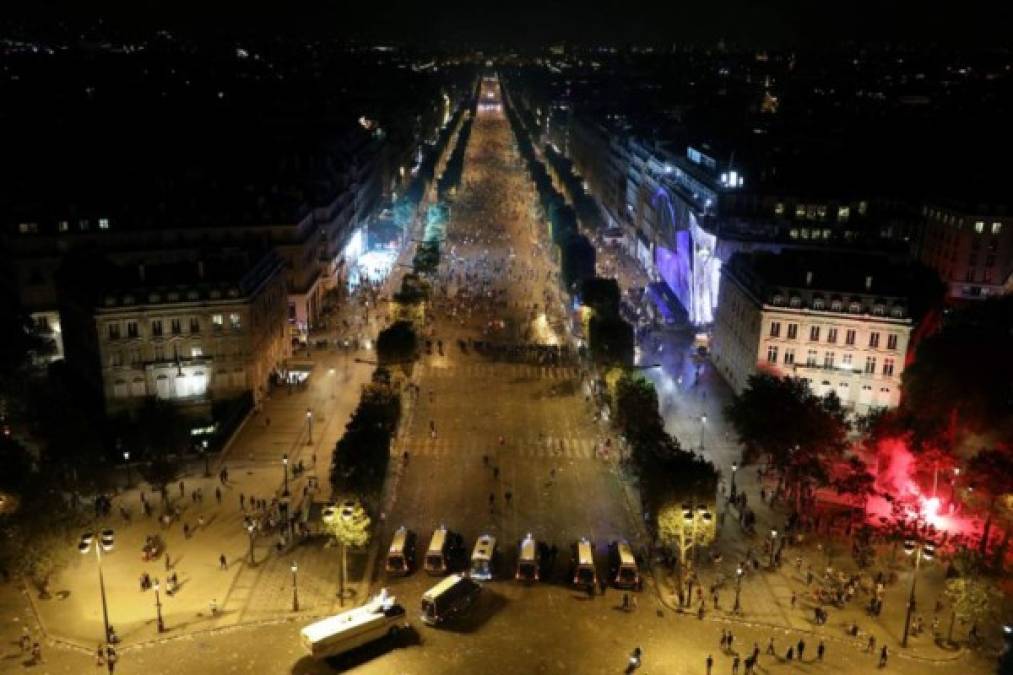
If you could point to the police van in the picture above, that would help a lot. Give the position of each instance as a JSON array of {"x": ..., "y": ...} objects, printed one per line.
[
  {"x": 436, "y": 560},
  {"x": 583, "y": 563},
  {"x": 528, "y": 560},
  {"x": 448, "y": 598},
  {"x": 623, "y": 565},
  {"x": 483, "y": 558},
  {"x": 401, "y": 554}
]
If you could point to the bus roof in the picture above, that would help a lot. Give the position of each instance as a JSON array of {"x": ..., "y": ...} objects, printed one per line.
[
  {"x": 338, "y": 623},
  {"x": 484, "y": 547},
  {"x": 438, "y": 541}
]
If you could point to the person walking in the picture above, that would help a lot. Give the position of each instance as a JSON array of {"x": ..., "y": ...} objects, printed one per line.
[
  {"x": 218, "y": 495},
  {"x": 36, "y": 653},
  {"x": 870, "y": 646},
  {"x": 731, "y": 638},
  {"x": 242, "y": 502},
  {"x": 820, "y": 650},
  {"x": 756, "y": 652},
  {"x": 883, "y": 655},
  {"x": 222, "y": 562},
  {"x": 770, "y": 647},
  {"x": 710, "y": 663},
  {"x": 100, "y": 655},
  {"x": 724, "y": 639},
  {"x": 794, "y": 599},
  {"x": 801, "y": 648},
  {"x": 182, "y": 491},
  {"x": 735, "y": 665},
  {"x": 789, "y": 654}
]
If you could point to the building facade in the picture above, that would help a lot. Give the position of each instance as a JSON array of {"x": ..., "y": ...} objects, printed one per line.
[
  {"x": 839, "y": 322},
  {"x": 184, "y": 331},
  {"x": 970, "y": 249}
]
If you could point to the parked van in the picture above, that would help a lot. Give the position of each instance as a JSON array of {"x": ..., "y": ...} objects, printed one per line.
[
  {"x": 436, "y": 561},
  {"x": 401, "y": 554},
  {"x": 483, "y": 558},
  {"x": 338, "y": 634},
  {"x": 447, "y": 598},
  {"x": 528, "y": 560},
  {"x": 623, "y": 566},
  {"x": 583, "y": 563}
]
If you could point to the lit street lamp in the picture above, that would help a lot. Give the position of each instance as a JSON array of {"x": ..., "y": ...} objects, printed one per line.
[
  {"x": 204, "y": 451},
  {"x": 330, "y": 375},
  {"x": 773, "y": 545},
  {"x": 923, "y": 549},
  {"x": 158, "y": 609},
  {"x": 703, "y": 425},
  {"x": 309, "y": 427},
  {"x": 295, "y": 587},
  {"x": 735, "y": 468},
  {"x": 738, "y": 589},
  {"x": 105, "y": 543},
  {"x": 284, "y": 466},
  {"x": 126, "y": 460}
]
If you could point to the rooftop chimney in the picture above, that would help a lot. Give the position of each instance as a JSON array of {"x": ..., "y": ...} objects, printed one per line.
[
  {"x": 868, "y": 283},
  {"x": 809, "y": 278}
]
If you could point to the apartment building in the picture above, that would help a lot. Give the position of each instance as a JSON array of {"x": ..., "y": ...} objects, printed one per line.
[
  {"x": 841, "y": 322},
  {"x": 970, "y": 247},
  {"x": 184, "y": 330}
]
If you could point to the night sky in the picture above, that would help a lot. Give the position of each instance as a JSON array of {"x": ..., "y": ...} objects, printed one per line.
[{"x": 522, "y": 24}]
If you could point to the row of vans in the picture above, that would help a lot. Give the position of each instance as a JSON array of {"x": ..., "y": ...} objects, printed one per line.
[{"x": 445, "y": 545}]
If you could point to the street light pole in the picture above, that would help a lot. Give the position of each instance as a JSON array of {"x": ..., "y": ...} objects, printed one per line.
[
  {"x": 126, "y": 460},
  {"x": 921, "y": 549},
  {"x": 284, "y": 466},
  {"x": 738, "y": 589},
  {"x": 735, "y": 468},
  {"x": 158, "y": 609},
  {"x": 250, "y": 530},
  {"x": 105, "y": 542},
  {"x": 773, "y": 545},
  {"x": 309, "y": 427},
  {"x": 295, "y": 588},
  {"x": 703, "y": 425},
  {"x": 330, "y": 375}
]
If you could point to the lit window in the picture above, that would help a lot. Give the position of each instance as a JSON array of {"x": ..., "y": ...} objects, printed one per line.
[
  {"x": 234, "y": 321},
  {"x": 846, "y": 361},
  {"x": 843, "y": 213},
  {"x": 979, "y": 226},
  {"x": 996, "y": 228},
  {"x": 810, "y": 357},
  {"x": 217, "y": 321},
  {"x": 800, "y": 210},
  {"x": 779, "y": 209},
  {"x": 870, "y": 365},
  {"x": 103, "y": 223},
  {"x": 836, "y": 305},
  {"x": 828, "y": 360},
  {"x": 818, "y": 303},
  {"x": 63, "y": 226},
  {"x": 28, "y": 228},
  {"x": 196, "y": 351},
  {"x": 862, "y": 206}
]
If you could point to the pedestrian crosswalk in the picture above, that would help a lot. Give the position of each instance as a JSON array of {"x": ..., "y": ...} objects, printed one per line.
[
  {"x": 546, "y": 447},
  {"x": 479, "y": 370}
]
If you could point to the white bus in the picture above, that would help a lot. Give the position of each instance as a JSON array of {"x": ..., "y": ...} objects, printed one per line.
[
  {"x": 337, "y": 634},
  {"x": 452, "y": 595},
  {"x": 436, "y": 556}
]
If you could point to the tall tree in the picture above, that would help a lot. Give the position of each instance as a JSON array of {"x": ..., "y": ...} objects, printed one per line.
[
  {"x": 160, "y": 432},
  {"x": 937, "y": 390},
  {"x": 990, "y": 472}
]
